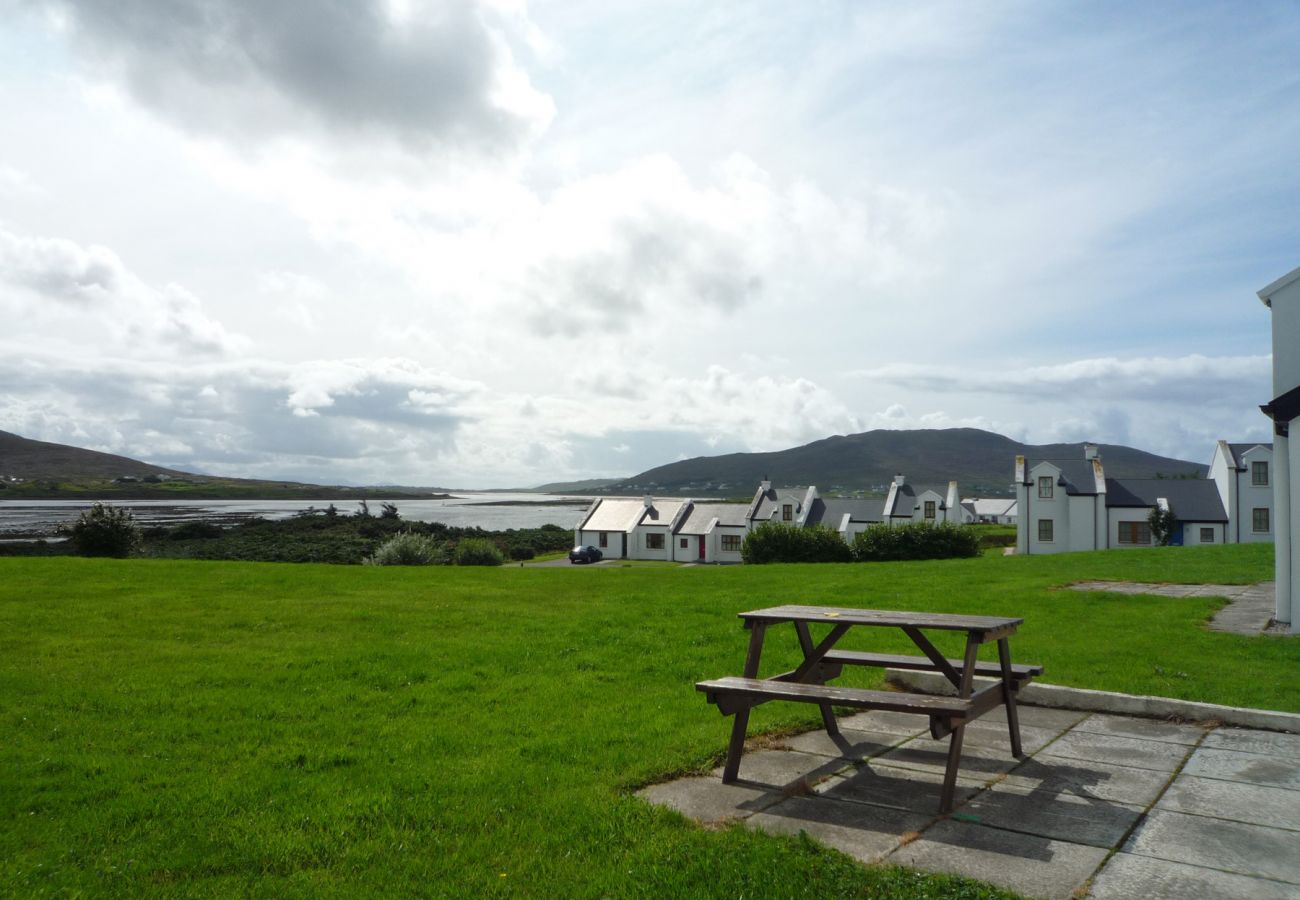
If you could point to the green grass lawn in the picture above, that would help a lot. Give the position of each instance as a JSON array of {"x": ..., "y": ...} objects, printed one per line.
[{"x": 185, "y": 727}]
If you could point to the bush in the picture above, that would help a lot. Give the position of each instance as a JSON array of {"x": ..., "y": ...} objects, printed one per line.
[
  {"x": 104, "y": 530},
  {"x": 405, "y": 549},
  {"x": 777, "y": 542},
  {"x": 191, "y": 531},
  {"x": 478, "y": 552},
  {"x": 881, "y": 543},
  {"x": 522, "y": 551}
]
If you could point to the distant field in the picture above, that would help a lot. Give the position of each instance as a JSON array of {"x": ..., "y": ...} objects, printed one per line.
[{"x": 185, "y": 727}]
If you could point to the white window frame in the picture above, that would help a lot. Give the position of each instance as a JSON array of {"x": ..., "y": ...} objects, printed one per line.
[
  {"x": 1046, "y": 487},
  {"x": 1256, "y": 467}
]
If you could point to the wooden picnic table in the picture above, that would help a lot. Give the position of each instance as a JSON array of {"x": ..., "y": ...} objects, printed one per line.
[{"x": 822, "y": 662}]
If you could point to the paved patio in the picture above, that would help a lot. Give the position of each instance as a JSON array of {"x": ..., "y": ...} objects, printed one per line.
[
  {"x": 1250, "y": 607},
  {"x": 1130, "y": 807}
]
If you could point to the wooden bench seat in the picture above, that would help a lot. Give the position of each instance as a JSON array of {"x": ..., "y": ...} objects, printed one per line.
[
  {"x": 1019, "y": 671},
  {"x": 856, "y": 698}
]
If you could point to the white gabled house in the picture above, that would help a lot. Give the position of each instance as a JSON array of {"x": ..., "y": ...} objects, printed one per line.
[
  {"x": 991, "y": 511},
  {"x": 1283, "y": 298},
  {"x": 1066, "y": 505},
  {"x": 1243, "y": 474},
  {"x": 908, "y": 505},
  {"x": 711, "y": 532},
  {"x": 609, "y": 525}
]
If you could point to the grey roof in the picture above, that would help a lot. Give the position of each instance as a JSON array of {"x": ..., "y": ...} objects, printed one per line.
[
  {"x": 1239, "y": 449},
  {"x": 832, "y": 512},
  {"x": 773, "y": 498},
  {"x": 614, "y": 515},
  {"x": 1076, "y": 474},
  {"x": 990, "y": 506},
  {"x": 1192, "y": 499},
  {"x": 701, "y": 514},
  {"x": 904, "y": 501},
  {"x": 662, "y": 512}
]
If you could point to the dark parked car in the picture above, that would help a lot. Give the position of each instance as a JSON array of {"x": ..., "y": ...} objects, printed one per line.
[{"x": 585, "y": 555}]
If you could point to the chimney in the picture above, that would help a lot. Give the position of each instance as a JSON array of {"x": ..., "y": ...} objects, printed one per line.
[
  {"x": 765, "y": 485},
  {"x": 898, "y": 479},
  {"x": 648, "y": 501},
  {"x": 1089, "y": 451}
]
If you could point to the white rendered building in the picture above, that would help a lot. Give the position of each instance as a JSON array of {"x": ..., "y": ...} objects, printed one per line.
[{"x": 1283, "y": 298}]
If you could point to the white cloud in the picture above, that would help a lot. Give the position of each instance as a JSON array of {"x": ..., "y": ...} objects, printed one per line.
[{"x": 89, "y": 291}]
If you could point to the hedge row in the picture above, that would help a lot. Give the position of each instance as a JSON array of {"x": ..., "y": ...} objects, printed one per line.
[{"x": 778, "y": 542}]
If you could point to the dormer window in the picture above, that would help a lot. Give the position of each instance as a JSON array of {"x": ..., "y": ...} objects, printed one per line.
[
  {"x": 929, "y": 509},
  {"x": 787, "y": 513},
  {"x": 1046, "y": 484}
]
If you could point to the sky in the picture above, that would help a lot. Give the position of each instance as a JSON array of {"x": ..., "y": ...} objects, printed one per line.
[{"x": 484, "y": 243}]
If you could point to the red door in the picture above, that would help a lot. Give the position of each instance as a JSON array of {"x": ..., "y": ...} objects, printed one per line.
[{"x": 701, "y": 546}]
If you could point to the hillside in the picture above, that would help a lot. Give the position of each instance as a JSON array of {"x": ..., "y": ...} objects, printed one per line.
[
  {"x": 40, "y": 469},
  {"x": 982, "y": 463}
]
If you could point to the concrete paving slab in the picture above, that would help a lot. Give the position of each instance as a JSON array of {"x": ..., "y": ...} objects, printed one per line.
[
  {"x": 1134, "y": 752},
  {"x": 1063, "y": 816},
  {"x": 981, "y": 760},
  {"x": 995, "y": 735},
  {"x": 864, "y": 832},
  {"x": 1272, "y": 806},
  {"x": 908, "y": 724},
  {"x": 1145, "y": 729},
  {"x": 784, "y": 769},
  {"x": 708, "y": 800},
  {"x": 1252, "y": 768},
  {"x": 1127, "y": 876},
  {"x": 1030, "y": 865},
  {"x": 1232, "y": 846},
  {"x": 852, "y": 744},
  {"x": 910, "y": 789},
  {"x": 1252, "y": 741},
  {"x": 1090, "y": 780}
]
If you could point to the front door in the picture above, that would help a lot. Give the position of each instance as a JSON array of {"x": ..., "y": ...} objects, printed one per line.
[{"x": 701, "y": 546}]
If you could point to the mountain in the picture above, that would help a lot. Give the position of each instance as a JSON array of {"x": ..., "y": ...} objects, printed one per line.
[
  {"x": 38, "y": 469},
  {"x": 586, "y": 486},
  {"x": 981, "y": 462}
]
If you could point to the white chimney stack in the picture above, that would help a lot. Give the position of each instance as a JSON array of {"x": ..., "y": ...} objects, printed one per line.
[
  {"x": 648, "y": 501},
  {"x": 898, "y": 479},
  {"x": 1089, "y": 451}
]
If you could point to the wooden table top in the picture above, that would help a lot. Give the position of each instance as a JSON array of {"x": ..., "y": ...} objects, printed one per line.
[{"x": 843, "y": 615}]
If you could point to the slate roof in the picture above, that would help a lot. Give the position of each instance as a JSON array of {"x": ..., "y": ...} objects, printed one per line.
[
  {"x": 1192, "y": 499},
  {"x": 1076, "y": 474},
  {"x": 662, "y": 512},
  {"x": 1239, "y": 449},
  {"x": 831, "y": 512},
  {"x": 904, "y": 501},
  {"x": 701, "y": 514},
  {"x": 990, "y": 506}
]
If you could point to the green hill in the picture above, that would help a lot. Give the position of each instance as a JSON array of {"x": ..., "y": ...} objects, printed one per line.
[{"x": 982, "y": 463}]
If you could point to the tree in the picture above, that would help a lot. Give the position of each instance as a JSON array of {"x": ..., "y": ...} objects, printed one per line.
[
  {"x": 1162, "y": 523},
  {"x": 104, "y": 530}
]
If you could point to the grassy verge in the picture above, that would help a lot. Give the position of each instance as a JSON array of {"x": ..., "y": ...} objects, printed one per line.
[{"x": 211, "y": 727}]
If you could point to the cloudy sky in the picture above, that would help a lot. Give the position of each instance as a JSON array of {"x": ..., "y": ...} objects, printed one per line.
[{"x": 483, "y": 243}]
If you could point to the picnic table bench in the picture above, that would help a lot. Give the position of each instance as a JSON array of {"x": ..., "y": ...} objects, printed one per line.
[{"x": 822, "y": 663}]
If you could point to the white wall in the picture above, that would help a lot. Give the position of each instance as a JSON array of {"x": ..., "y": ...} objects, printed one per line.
[
  {"x": 1250, "y": 497},
  {"x": 615, "y": 538},
  {"x": 1056, "y": 509},
  {"x": 716, "y": 537},
  {"x": 636, "y": 542},
  {"x": 1120, "y": 514},
  {"x": 1082, "y": 531},
  {"x": 1192, "y": 533}
]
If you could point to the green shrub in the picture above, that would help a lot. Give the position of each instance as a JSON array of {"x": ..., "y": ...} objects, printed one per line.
[
  {"x": 945, "y": 541},
  {"x": 406, "y": 548},
  {"x": 191, "y": 531},
  {"x": 778, "y": 542},
  {"x": 104, "y": 530},
  {"x": 478, "y": 552},
  {"x": 522, "y": 551}
]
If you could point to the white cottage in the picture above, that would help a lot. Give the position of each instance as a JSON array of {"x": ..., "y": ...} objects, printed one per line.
[
  {"x": 909, "y": 505},
  {"x": 1283, "y": 298},
  {"x": 1243, "y": 474}
]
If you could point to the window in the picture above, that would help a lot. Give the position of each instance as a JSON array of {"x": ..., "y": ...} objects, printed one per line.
[
  {"x": 604, "y": 539},
  {"x": 1207, "y": 535},
  {"x": 1134, "y": 533},
  {"x": 1045, "y": 485},
  {"x": 731, "y": 542},
  {"x": 685, "y": 543},
  {"x": 787, "y": 513},
  {"x": 1259, "y": 520},
  {"x": 654, "y": 541},
  {"x": 1259, "y": 474},
  {"x": 1045, "y": 528},
  {"x": 929, "y": 509}
]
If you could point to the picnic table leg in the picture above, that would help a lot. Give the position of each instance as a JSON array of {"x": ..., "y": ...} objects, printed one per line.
[
  {"x": 741, "y": 722},
  {"x": 954, "y": 742},
  {"x": 1009, "y": 697},
  {"x": 828, "y": 715}
]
